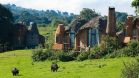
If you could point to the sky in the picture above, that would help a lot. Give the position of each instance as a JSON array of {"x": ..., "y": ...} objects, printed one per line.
[{"x": 75, "y": 6}]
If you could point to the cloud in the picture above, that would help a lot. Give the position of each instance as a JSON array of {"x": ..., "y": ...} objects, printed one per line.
[{"x": 74, "y": 6}]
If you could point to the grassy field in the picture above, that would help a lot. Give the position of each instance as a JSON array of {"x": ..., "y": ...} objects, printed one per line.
[
  {"x": 49, "y": 33},
  {"x": 97, "y": 68}
]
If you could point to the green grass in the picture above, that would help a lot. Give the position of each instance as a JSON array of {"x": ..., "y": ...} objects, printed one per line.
[
  {"x": 49, "y": 33},
  {"x": 111, "y": 68}
]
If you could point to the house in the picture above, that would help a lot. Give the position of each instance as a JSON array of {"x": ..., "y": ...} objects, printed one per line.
[
  {"x": 61, "y": 38},
  {"x": 89, "y": 34},
  {"x": 131, "y": 29},
  {"x": 82, "y": 34}
]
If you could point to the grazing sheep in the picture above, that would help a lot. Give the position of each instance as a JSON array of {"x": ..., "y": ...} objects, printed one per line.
[
  {"x": 15, "y": 71},
  {"x": 54, "y": 67}
]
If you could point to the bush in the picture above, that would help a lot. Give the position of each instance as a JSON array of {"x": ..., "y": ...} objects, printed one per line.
[
  {"x": 64, "y": 57},
  {"x": 83, "y": 56},
  {"x": 132, "y": 49},
  {"x": 96, "y": 52},
  {"x": 131, "y": 70},
  {"x": 39, "y": 55},
  {"x": 126, "y": 51},
  {"x": 108, "y": 44}
]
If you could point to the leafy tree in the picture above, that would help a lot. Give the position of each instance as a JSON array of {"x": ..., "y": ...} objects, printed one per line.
[
  {"x": 25, "y": 17},
  {"x": 88, "y": 14},
  {"x": 135, "y": 3},
  {"x": 55, "y": 22},
  {"x": 119, "y": 26}
]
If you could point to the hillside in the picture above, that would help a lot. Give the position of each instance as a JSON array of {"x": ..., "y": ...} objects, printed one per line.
[{"x": 38, "y": 16}]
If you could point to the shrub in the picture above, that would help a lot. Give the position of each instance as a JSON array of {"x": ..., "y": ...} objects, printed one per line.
[
  {"x": 97, "y": 52},
  {"x": 126, "y": 51},
  {"x": 109, "y": 44},
  {"x": 83, "y": 56},
  {"x": 131, "y": 70},
  {"x": 39, "y": 55},
  {"x": 132, "y": 49},
  {"x": 134, "y": 46},
  {"x": 64, "y": 57}
]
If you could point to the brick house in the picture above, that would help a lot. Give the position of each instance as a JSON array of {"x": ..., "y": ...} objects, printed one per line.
[
  {"x": 83, "y": 34},
  {"x": 80, "y": 34},
  {"x": 131, "y": 29}
]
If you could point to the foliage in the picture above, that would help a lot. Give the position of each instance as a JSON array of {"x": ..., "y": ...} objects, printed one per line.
[
  {"x": 132, "y": 49},
  {"x": 119, "y": 26},
  {"x": 96, "y": 52},
  {"x": 109, "y": 44},
  {"x": 64, "y": 57},
  {"x": 123, "y": 52},
  {"x": 39, "y": 55},
  {"x": 88, "y": 14},
  {"x": 135, "y": 3},
  {"x": 131, "y": 70},
  {"x": 6, "y": 26},
  {"x": 83, "y": 56},
  {"x": 55, "y": 22},
  {"x": 40, "y": 17}
]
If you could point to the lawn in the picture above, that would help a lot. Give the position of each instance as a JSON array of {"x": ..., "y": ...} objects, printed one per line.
[{"x": 97, "y": 68}]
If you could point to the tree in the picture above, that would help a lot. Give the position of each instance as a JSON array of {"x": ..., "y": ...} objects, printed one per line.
[
  {"x": 26, "y": 17},
  {"x": 6, "y": 26},
  {"x": 88, "y": 14},
  {"x": 119, "y": 26},
  {"x": 135, "y": 3}
]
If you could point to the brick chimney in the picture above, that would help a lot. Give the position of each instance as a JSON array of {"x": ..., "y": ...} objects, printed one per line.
[
  {"x": 128, "y": 26},
  {"x": 59, "y": 34},
  {"x": 111, "y": 22}
]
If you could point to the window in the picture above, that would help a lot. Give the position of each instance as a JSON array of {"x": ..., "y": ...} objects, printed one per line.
[
  {"x": 57, "y": 39},
  {"x": 135, "y": 33}
]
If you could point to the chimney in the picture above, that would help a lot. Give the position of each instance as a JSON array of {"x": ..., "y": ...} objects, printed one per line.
[
  {"x": 128, "y": 26},
  {"x": 111, "y": 22},
  {"x": 59, "y": 34}
]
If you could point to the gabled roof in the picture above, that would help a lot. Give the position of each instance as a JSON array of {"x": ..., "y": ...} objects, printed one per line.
[
  {"x": 79, "y": 24},
  {"x": 76, "y": 24},
  {"x": 92, "y": 23},
  {"x": 97, "y": 22}
]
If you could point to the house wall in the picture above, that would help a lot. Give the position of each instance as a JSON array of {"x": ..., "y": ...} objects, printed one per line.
[
  {"x": 62, "y": 39},
  {"x": 81, "y": 40},
  {"x": 77, "y": 42},
  {"x": 84, "y": 39}
]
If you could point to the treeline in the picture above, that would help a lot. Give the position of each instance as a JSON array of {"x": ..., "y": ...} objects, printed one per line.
[
  {"x": 39, "y": 16},
  {"x": 48, "y": 16}
]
